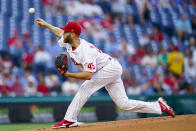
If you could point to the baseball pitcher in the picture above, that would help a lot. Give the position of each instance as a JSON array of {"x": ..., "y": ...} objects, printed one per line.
[{"x": 99, "y": 70}]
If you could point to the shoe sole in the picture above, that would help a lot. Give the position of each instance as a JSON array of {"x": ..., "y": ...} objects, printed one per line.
[
  {"x": 164, "y": 102},
  {"x": 58, "y": 127},
  {"x": 72, "y": 125}
]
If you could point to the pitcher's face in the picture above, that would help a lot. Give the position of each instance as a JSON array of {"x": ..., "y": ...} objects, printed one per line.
[{"x": 68, "y": 38}]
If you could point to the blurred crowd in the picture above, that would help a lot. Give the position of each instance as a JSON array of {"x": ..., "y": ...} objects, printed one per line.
[{"x": 150, "y": 67}]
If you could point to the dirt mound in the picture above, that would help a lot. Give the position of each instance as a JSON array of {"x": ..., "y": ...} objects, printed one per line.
[{"x": 179, "y": 123}]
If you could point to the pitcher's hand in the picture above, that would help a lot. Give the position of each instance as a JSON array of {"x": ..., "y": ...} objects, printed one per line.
[{"x": 41, "y": 23}]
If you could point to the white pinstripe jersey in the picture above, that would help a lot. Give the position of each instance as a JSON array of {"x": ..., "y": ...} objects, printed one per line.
[{"x": 86, "y": 55}]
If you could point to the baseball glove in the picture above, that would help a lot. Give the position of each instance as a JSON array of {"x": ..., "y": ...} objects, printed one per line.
[{"x": 61, "y": 63}]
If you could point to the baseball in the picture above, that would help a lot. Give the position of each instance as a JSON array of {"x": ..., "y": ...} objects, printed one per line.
[{"x": 31, "y": 10}]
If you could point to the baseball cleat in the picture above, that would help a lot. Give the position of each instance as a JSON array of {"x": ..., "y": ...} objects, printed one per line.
[
  {"x": 165, "y": 107},
  {"x": 65, "y": 124}
]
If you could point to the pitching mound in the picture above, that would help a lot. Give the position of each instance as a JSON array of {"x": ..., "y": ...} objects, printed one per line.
[{"x": 179, "y": 123}]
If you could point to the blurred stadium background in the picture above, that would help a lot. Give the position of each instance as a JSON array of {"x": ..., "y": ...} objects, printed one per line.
[{"x": 154, "y": 40}]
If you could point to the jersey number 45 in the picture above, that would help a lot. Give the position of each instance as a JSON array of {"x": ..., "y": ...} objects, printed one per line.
[{"x": 91, "y": 66}]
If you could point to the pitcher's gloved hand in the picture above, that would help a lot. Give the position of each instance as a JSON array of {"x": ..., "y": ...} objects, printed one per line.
[{"x": 61, "y": 63}]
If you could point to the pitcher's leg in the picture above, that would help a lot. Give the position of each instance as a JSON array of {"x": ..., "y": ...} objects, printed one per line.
[
  {"x": 117, "y": 92},
  {"x": 85, "y": 91}
]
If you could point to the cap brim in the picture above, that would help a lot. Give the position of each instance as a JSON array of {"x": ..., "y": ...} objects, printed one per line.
[{"x": 62, "y": 28}]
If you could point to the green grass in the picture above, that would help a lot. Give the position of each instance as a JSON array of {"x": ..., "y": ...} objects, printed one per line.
[{"x": 24, "y": 126}]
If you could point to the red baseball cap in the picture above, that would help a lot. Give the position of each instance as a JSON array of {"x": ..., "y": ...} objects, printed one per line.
[{"x": 72, "y": 27}]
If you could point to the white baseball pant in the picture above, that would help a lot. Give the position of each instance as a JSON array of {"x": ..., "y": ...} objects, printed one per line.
[{"x": 110, "y": 77}]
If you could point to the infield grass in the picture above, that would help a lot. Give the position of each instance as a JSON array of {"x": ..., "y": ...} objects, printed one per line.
[{"x": 24, "y": 126}]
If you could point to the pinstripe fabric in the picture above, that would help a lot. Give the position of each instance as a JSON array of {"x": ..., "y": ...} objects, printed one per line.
[
  {"x": 109, "y": 76},
  {"x": 117, "y": 93}
]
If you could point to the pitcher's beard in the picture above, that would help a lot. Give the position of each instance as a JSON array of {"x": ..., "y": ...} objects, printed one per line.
[{"x": 68, "y": 39}]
